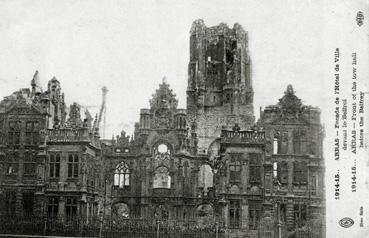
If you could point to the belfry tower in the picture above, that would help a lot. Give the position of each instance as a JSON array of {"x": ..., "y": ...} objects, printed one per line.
[{"x": 219, "y": 91}]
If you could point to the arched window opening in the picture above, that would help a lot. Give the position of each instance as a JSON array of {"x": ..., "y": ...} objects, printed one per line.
[
  {"x": 120, "y": 211},
  {"x": 205, "y": 178},
  {"x": 162, "y": 178},
  {"x": 205, "y": 215},
  {"x": 163, "y": 149},
  {"x": 122, "y": 175}
]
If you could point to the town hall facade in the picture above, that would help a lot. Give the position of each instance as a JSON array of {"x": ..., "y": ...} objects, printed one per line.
[{"x": 211, "y": 163}]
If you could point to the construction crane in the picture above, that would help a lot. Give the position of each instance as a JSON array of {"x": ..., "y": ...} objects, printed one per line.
[{"x": 102, "y": 111}]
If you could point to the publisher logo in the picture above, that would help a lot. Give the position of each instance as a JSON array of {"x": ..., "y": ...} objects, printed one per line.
[
  {"x": 346, "y": 222},
  {"x": 359, "y": 18}
]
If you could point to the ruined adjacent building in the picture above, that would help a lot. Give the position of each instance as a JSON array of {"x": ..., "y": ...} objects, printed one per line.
[
  {"x": 50, "y": 164},
  {"x": 210, "y": 163}
]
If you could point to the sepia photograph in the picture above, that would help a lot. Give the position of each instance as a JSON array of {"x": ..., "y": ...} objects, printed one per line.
[{"x": 193, "y": 119}]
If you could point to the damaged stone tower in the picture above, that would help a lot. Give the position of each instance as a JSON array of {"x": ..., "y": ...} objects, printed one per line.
[{"x": 219, "y": 92}]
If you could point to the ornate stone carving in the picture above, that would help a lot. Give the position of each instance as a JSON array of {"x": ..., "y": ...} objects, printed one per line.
[
  {"x": 290, "y": 105},
  {"x": 164, "y": 97},
  {"x": 74, "y": 116}
]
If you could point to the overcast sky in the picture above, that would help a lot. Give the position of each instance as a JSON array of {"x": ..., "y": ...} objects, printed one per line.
[{"x": 129, "y": 46}]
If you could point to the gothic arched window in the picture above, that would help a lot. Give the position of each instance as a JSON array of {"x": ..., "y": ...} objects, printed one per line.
[
  {"x": 122, "y": 175},
  {"x": 120, "y": 211}
]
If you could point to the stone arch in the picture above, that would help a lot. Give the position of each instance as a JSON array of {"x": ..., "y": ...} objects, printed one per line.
[
  {"x": 161, "y": 212},
  {"x": 156, "y": 139},
  {"x": 159, "y": 144},
  {"x": 205, "y": 214},
  {"x": 120, "y": 210}
]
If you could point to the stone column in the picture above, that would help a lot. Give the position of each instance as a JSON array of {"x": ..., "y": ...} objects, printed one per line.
[
  {"x": 39, "y": 204},
  {"x": 244, "y": 177},
  {"x": 20, "y": 166},
  {"x": 290, "y": 176},
  {"x": 225, "y": 214},
  {"x": 195, "y": 180},
  {"x": 18, "y": 203},
  {"x": 83, "y": 173},
  {"x": 244, "y": 214},
  {"x": 61, "y": 208},
  {"x": 2, "y": 199},
  {"x": 63, "y": 167},
  {"x": 290, "y": 215},
  {"x": 290, "y": 142}
]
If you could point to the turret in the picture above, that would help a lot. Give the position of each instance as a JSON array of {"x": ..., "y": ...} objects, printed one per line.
[{"x": 219, "y": 91}]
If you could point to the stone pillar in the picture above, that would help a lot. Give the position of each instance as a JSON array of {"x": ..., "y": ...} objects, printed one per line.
[
  {"x": 290, "y": 215},
  {"x": 39, "y": 206},
  {"x": 2, "y": 200},
  {"x": 20, "y": 166},
  {"x": 84, "y": 171},
  {"x": 61, "y": 208},
  {"x": 225, "y": 214},
  {"x": 227, "y": 173},
  {"x": 195, "y": 181},
  {"x": 290, "y": 142},
  {"x": 244, "y": 177},
  {"x": 63, "y": 166},
  {"x": 82, "y": 209},
  {"x": 18, "y": 203},
  {"x": 244, "y": 215},
  {"x": 290, "y": 176}
]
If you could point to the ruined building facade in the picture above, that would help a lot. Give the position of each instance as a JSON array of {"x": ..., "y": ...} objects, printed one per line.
[
  {"x": 50, "y": 164},
  {"x": 210, "y": 163}
]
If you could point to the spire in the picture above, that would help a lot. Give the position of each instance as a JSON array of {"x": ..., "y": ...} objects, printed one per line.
[
  {"x": 164, "y": 97},
  {"x": 35, "y": 83},
  {"x": 35, "y": 79}
]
